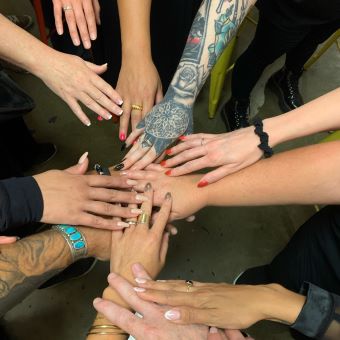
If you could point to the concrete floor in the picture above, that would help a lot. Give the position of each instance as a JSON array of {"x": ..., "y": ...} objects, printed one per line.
[{"x": 227, "y": 240}]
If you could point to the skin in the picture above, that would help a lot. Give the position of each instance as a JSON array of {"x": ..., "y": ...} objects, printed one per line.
[
  {"x": 233, "y": 151},
  {"x": 68, "y": 76},
  {"x": 214, "y": 26},
  {"x": 138, "y": 82}
]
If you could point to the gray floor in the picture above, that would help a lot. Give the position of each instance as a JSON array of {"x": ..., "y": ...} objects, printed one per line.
[{"x": 226, "y": 240}]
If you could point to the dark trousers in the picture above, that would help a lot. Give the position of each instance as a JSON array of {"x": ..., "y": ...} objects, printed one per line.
[{"x": 271, "y": 42}]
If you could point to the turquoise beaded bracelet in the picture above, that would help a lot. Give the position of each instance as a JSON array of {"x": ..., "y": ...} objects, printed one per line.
[{"x": 75, "y": 239}]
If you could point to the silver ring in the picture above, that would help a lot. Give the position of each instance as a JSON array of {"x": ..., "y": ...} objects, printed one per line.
[
  {"x": 202, "y": 141},
  {"x": 67, "y": 8},
  {"x": 132, "y": 222}
]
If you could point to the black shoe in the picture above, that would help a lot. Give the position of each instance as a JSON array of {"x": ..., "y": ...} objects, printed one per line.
[
  {"x": 235, "y": 114},
  {"x": 253, "y": 276},
  {"x": 75, "y": 270},
  {"x": 3, "y": 334},
  {"x": 285, "y": 84}
]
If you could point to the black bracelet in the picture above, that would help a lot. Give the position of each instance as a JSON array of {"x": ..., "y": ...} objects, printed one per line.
[
  {"x": 101, "y": 170},
  {"x": 264, "y": 138}
]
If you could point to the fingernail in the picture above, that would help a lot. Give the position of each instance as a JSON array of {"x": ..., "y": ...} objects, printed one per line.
[
  {"x": 112, "y": 276},
  {"x": 120, "y": 102},
  {"x": 122, "y": 137},
  {"x": 191, "y": 218},
  {"x": 172, "y": 315},
  {"x": 18, "y": 238},
  {"x": 123, "y": 225},
  {"x": 168, "y": 173},
  {"x": 97, "y": 300},
  {"x": 139, "y": 280},
  {"x": 77, "y": 42},
  {"x": 119, "y": 166},
  {"x": 88, "y": 123},
  {"x": 163, "y": 163},
  {"x": 136, "y": 211},
  {"x": 83, "y": 157},
  {"x": 138, "y": 289},
  {"x": 100, "y": 118},
  {"x": 87, "y": 44},
  {"x": 59, "y": 31},
  {"x": 108, "y": 116},
  {"x": 93, "y": 36},
  {"x": 168, "y": 196},
  {"x": 141, "y": 198},
  {"x": 168, "y": 152},
  {"x": 123, "y": 173},
  {"x": 119, "y": 112},
  {"x": 213, "y": 330},
  {"x": 148, "y": 187},
  {"x": 131, "y": 182},
  {"x": 181, "y": 138},
  {"x": 202, "y": 184}
]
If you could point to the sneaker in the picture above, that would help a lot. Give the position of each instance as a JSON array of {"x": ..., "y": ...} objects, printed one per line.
[
  {"x": 74, "y": 271},
  {"x": 23, "y": 21},
  {"x": 285, "y": 84},
  {"x": 235, "y": 114}
]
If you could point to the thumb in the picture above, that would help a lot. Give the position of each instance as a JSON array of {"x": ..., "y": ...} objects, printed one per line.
[
  {"x": 99, "y": 69},
  {"x": 8, "y": 239},
  {"x": 186, "y": 316},
  {"x": 216, "y": 175},
  {"x": 81, "y": 167}
]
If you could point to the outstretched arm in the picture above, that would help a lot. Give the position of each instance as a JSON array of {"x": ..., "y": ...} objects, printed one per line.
[{"x": 214, "y": 26}]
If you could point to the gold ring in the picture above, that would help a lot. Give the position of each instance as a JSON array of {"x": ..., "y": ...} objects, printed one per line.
[
  {"x": 137, "y": 107},
  {"x": 143, "y": 218},
  {"x": 189, "y": 284},
  {"x": 202, "y": 141},
  {"x": 67, "y": 8}
]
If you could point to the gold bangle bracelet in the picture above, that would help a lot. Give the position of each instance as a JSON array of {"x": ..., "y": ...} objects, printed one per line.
[{"x": 106, "y": 330}]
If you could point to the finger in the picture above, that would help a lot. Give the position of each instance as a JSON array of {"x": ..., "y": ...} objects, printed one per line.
[
  {"x": 123, "y": 126},
  {"x": 216, "y": 334},
  {"x": 92, "y": 105},
  {"x": 8, "y": 239},
  {"x": 146, "y": 207},
  {"x": 81, "y": 167},
  {"x": 233, "y": 334},
  {"x": 217, "y": 174},
  {"x": 189, "y": 144},
  {"x": 185, "y": 156},
  {"x": 58, "y": 16},
  {"x": 107, "y": 181},
  {"x": 188, "y": 315},
  {"x": 191, "y": 218},
  {"x": 72, "y": 27},
  {"x": 189, "y": 167},
  {"x": 179, "y": 286},
  {"x": 199, "y": 136},
  {"x": 120, "y": 316},
  {"x": 164, "y": 247},
  {"x": 82, "y": 26},
  {"x": 133, "y": 136},
  {"x": 163, "y": 215},
  {"x": 171, "y": 229},
  {"x": 134, "y": 157},
  {"x": 147, "y": 158},
  {"x": 89, "y": 220},
  {"x": 90, "y": 19},
  {"x": 108, "y": 209},
  {"x": 136, "y": 117},
  {"x": 77, "y": 110},
  {"x": 96, "y": 8},
  {"x": 116, "y": 196},
  {"x": 126, "y": 291},
  {"x": 160, "y": 158},
  {"x": 154, "y": 167}
]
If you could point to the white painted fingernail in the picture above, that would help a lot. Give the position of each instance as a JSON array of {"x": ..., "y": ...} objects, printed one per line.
[
  {"x": 191, "y": 218},
  {"x": 141, "y": 198},
  {"x": 120, "y": 112},
  {"x": 83, "y": 157},
  {"x": 123, "y": 225},
  {"x": 120, "y": 102},
  {"x": 138, "y": 289},
  {"x": 213, "y": 330},
  {"x": 172, "y": 315},
  {"x": 131, "y": 182},
  {"x": 139, "y": 280},
  {"x": 136, "y": 211},
  {"x": 88, "y": 123},
  {"x": 93, "y": 36},
  {"x": 108, "y": 117}
]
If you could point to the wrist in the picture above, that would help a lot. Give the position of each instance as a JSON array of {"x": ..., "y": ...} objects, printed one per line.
[{"x": 132, "y": 52}]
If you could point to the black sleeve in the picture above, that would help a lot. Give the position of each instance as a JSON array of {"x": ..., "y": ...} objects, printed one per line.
[
  {"x": 21, "y": 202},
  {"x": 320, "y": 316}
]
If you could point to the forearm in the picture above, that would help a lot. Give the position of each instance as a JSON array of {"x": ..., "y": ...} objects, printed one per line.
[
  {"x": 321, "y": 114},
  {"x": 134, "y": 18}
]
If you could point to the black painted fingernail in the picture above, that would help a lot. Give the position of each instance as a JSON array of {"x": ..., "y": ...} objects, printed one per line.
[
  {"x": 119, "y": 166},
  {"x": 123, "y": 147},
  {"x": 148, "y": 187}
]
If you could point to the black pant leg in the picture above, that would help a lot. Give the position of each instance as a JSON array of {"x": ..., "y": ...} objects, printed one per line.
[
  {"x": 300, "y": 54},
  {"x": 312, "y": 255},
  {"x": 270, "y": 42}
]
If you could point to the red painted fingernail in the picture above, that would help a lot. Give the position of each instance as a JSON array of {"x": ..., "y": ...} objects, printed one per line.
[
  {"x": 181, "y": 138},
  {"x": 202, "y": 184},
  {"x": 100, "y": 118},
  {"x": 163, "y": 163},
  {"x": 168, "y": 173},
  {"x": 122, "y": 136},
  {"x": 168, "y": 152}
]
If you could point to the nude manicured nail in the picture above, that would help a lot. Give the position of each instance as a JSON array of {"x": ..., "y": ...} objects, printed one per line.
[
  {"x": 123, "y": 173},
  {"x": 148, "y": 187},
  {"x": 172, "y": 315},
  {"x": 138, "y": 289},
  {"x": 119, "y": 112},
  {"x": 213, "y": 330},
  {"x": 83, "y": 157},
  {"x": 123, "y": 224},
  {"x": 93, "y": 36},
  {"x": 136, "y": 211},
  {"x": 141, "y": 198},
  {"x": 97, "y": 300},
  {"x": 139, "y": 280},
  {"x": 108, "y": 116},
  {"x": 131, "y": 182},
  {"x": 88, "y": 123}
]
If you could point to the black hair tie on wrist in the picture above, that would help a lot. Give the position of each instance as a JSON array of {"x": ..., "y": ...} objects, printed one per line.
[{"x": 264, "y": 138}]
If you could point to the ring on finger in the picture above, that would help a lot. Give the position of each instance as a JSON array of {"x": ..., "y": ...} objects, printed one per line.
[
  {"x": 202, "y": 141},
  {"x": 143, "y": 218},
  {"x": 67, "y": 8},
  {"x": 137, "y": 107},
  {"x": 189, "y": 284},
  {"x": 131, "y": 223}
]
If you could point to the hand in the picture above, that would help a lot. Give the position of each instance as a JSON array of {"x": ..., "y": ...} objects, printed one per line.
[
  {"x": 221, "y": 305},
  {"x": 138, "y": 84},
  {"x": 227, "y": 334},
  {"x": 73, "y": 80},
  {"x": 82, "y": 16},
  {"x": 187, "y": 198},
  {"x": 152, "y": 325},
  {"x": 230, "y": 152},
  {"x": 160, "y": 128},
  {"x": 149, "y": 244},
  {"x": 70, "y": 197}
]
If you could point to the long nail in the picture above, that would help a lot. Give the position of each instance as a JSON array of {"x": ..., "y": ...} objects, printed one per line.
[
  {"x": 172, "y": 315},
  {"x": 123, "y": 147},
  {"x": 139, "y": 280},
  {"x": 83, "y": 157},
  {"x": 131, "y": 182},
  {"x": 148, "y": 187},
  {"x": 97, "y": 300},
  {"x": 168, "y": 196},
  {"x": 123, "y": 224},
  {"x": 108, "y": 116},
  {"x": 141, "y": 198},
  {"x": 119, "y": 166},
  {"x": 168, "y": 173},
  {"x": 122, "y": 136},
  {"x": 87, "y": 123},
  {"x": 168, "y": 152},
  {"x": 213, "y": 330},
  {"x": 138, "y": 289},
  {"x": 202, "y": 184},
  {"x": 163, "y": 163},
  {"x": 136, "y": 211}
]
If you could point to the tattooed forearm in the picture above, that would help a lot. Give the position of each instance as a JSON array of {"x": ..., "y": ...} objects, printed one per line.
[{"x": 28, "y": 263}]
